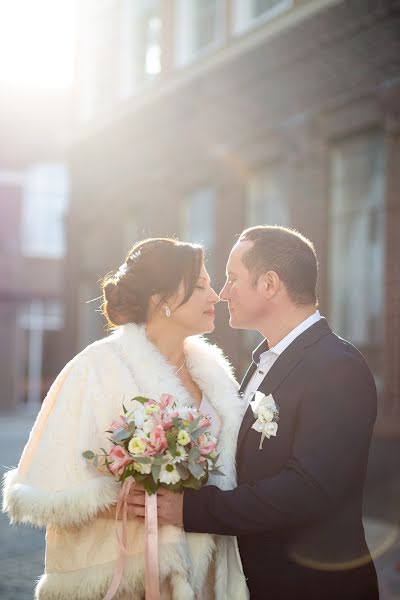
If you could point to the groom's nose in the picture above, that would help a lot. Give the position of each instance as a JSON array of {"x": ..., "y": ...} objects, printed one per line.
[{"x": 223, "y": 295}]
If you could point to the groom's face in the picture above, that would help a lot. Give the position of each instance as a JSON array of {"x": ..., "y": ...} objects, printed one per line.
[{"x": 246, "y": 302}]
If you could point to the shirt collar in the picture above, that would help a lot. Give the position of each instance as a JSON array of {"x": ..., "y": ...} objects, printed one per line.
[
  {"x": 292, "y": 335},
  {"x": 263, "y": 348}
]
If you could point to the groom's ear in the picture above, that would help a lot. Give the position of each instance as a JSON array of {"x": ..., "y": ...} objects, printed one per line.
[{"x": 269, "y": 283}]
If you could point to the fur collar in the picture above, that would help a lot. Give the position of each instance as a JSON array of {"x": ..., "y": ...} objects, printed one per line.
[{"x": 212, "y": 372}]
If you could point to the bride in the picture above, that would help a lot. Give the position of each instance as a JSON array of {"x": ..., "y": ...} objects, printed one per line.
[{"x": 157, "y": 303}]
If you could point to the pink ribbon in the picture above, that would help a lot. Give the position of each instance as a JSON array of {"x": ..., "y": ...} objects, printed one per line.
[
  {"x": 151, "y": 573},
  {"x": 152, "y": 587},
  {"x": 123, "y": 552}
]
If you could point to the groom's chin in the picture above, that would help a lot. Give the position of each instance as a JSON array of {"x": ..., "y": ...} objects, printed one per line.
[{"x": 233, "y": 324}]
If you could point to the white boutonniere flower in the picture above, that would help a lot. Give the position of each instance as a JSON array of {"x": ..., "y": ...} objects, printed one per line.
[{"x": 266, "y": 413}]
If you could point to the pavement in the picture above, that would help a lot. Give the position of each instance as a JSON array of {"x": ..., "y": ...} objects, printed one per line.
[{"x": 22, "y": 547}]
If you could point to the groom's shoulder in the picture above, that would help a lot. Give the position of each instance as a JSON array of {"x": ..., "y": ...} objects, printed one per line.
[{"x": 335, "y": 353}]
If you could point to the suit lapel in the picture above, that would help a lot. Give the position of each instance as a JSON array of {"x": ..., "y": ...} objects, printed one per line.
[
  {"x": 247, "y": 377},
  {"x": 283, "y": 366},
  {"x": 263, "y": 347}
]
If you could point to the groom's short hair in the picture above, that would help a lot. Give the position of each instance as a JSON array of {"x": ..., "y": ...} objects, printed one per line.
[{"x": 287, "y": 252}]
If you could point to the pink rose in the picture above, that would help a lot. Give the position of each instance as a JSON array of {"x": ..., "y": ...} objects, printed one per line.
[
  {"x": 157, "y": 442},
  {"x": 120, "y": 459}
]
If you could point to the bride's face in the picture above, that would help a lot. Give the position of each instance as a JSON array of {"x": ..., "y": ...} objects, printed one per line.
[{"x": 197, "y": 314}]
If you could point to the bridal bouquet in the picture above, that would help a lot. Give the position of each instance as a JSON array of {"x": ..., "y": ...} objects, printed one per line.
[
  {"x": 155, "y": 443},
  {"x": 158, "y": 443}
]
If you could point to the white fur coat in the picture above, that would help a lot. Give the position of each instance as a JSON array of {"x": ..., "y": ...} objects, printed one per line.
[{"x": 56, "y": 488}]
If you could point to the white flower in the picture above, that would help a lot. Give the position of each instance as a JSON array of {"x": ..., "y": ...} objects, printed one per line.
[
  {"x": 180, "y": 455},
  {"x": 265, "y": 410},
  {"x": 148, "y": 426},
  {"x": 169, "y": 474},
  {"x": 264, "y": 414},
  {"x": 136, "y": 413},
  {"x": 141, "y": 468}
]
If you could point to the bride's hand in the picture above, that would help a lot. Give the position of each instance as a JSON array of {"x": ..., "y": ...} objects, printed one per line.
[
  {"x": 136, "y": 502},
  {"x": 135, "y": 507}
]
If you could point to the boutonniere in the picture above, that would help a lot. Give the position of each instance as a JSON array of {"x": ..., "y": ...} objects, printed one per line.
[{"x": 266, "y": 413}]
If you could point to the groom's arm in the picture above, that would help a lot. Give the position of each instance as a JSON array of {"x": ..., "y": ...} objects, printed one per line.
[{"x": 331, "y": 443}]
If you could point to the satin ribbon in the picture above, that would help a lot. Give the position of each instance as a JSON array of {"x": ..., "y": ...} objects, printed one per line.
[
  {"x": 152, "y": 587},
  {"x": 123, "y": 552},
  {"x": 151, "y": 574}
]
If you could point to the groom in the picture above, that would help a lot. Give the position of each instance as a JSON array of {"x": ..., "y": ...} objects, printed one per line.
[{"x": 298, "y": 502}]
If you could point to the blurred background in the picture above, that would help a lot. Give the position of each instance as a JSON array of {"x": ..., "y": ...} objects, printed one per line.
[{"x": 123, "y": 119}]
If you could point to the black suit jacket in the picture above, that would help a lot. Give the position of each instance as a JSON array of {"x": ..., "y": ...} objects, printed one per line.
[{"x": 298, "y": 504}]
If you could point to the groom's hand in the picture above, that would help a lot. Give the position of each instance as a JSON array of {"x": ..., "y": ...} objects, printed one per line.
[{"x": 169, "y": 507}]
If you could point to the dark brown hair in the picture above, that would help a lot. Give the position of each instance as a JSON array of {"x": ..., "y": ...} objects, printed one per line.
[
  {"x": 287, "y": 252},
  {"x": 153, "y": 266}
]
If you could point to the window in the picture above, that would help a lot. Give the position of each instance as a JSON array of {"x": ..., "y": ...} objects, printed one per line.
[
  {"x": 357, "y": 242},
  {"x": 147, "y": 30},
  {"x": 36, "y": 319},
  {"x": 200, "y": 26},
  {"x": 267, "y": 202},
  {"x": 44, "y": 205},
  {"x": 198, "y": 222},
  {"x": 247, "y": 13}
]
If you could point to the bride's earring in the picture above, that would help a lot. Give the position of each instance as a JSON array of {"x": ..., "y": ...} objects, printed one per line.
[{"x": 167, "y": 312}]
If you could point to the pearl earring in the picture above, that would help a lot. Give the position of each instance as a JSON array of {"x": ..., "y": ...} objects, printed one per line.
[{"x": 167, "y": 312}]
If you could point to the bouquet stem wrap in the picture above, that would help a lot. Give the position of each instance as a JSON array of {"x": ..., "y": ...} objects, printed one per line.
[{"x": 151, "y": 577}]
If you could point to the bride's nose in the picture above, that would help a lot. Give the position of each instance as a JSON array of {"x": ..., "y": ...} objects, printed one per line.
[{"x": 214, "y": 297}]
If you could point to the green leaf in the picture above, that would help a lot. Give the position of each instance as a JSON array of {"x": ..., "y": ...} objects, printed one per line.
[
  {"x": 194, "y": 424},
  {"x": 150, "y": 485},
  {"x": 124, "y": 409},
  {"x": 183, "y": 471},
  {"x": 122, "y": 435},
  {"x": 96, "y": 461},
  {"x": 140, "y": 399},
  {"x": 174, "y": 487},
  {"x": 193, "y": 483},
  {"x": 155, "y": 471},
  {"x": 160, "y": 460},
  {"x": 216, "y": 471},
  {"x": 194, "y": 455},
  {"x": 88, "y": 454},
  {"x": 197, "y": 433},
  {"x": 176, "y": 422},
  {"x": 196, "y": 469},
  {"x": 143, "y": 460}
]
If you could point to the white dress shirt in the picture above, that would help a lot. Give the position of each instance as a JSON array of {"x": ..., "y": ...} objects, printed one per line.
[{"x": 268, "y": 358}]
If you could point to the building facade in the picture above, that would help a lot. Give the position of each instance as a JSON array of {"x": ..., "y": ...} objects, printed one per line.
[
  {"x": 33, "y": 202},
  {"x": 198, "y": 118}
]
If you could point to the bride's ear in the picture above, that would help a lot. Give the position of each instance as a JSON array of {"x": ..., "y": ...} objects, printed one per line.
[{"x": 155, "y": 304}]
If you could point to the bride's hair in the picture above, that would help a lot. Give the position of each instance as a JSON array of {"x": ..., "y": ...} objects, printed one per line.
[{"x": 153, "y": 266}]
